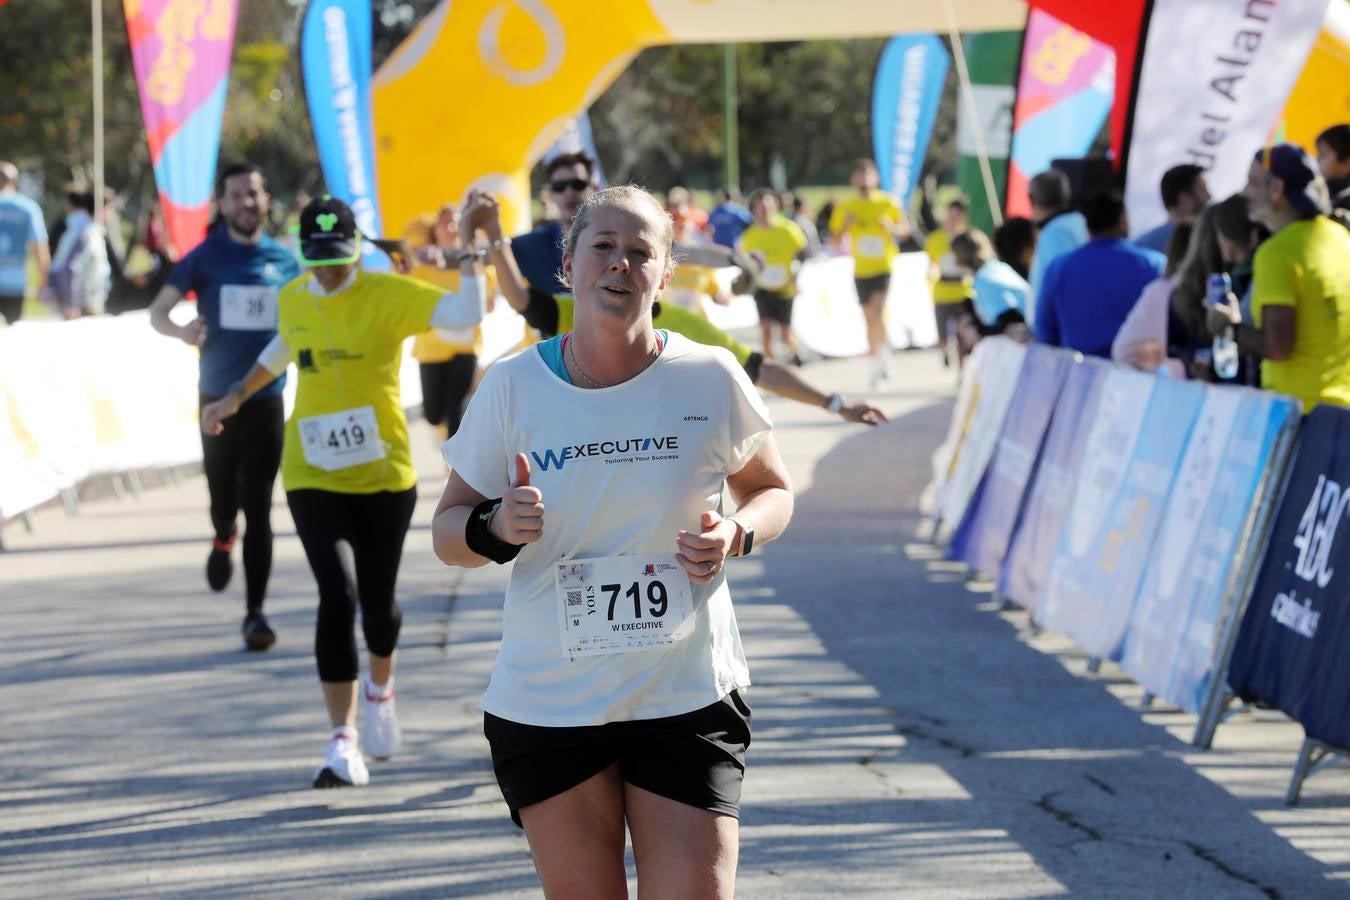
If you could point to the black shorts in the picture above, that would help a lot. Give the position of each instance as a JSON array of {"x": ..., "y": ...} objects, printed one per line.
[
  {"x": 11, "y": 307},
  {"x": 868, "y": 286},
  {"x": 773, "y": 307},
  {"x": 696, "y": 758}
]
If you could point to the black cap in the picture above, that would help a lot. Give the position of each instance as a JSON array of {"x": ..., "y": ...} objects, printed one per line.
[
  {"x": 328, "y": 233},
  {"x": 1303, "y": 185}
]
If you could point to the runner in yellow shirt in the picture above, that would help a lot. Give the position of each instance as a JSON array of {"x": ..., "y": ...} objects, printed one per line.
[
  {"x": 951, "y": 286},
  {"x": 346, "y": 462},
  {"x": 873, "y": 221},
  {"x": 690, "y": 284},
  {"x": 447, "y": 358},
  {"x": 778, "y": 246}
]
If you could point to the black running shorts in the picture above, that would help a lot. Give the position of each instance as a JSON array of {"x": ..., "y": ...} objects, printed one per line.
[
  {"x": 876, "y": 284},
  {"x": 696, "y": 758},
  {"x": 773, "y": 307}
]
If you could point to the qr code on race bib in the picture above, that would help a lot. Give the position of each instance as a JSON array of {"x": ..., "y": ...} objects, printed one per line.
[{"x": 574, "y": 598}]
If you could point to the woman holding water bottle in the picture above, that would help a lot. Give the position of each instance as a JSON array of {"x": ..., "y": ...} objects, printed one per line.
[
  {"x": 596, "y": 461},
  {"x": 346, "y": 461},
  {"x": 1222, "y": 243}
]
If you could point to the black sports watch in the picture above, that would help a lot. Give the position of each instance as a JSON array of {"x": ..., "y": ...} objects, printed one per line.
[{"x": 747, "y": 538}]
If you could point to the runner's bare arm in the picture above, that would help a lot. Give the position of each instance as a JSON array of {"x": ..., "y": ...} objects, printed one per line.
[
  {"x": 762, "y": 490},
  {"x": 763, "y": 494},
  {"x": 517, "y": 520},
  {"x": 783, "y": 381},
  {"x": 192, "y": 333},
  {"x": 483, "y": 211},
  {"x": 44, "y": 260},
  {"x": 447, "y": 524}
]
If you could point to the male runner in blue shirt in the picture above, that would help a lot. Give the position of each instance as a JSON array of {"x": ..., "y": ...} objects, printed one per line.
[{"x": 236, "y": 273}]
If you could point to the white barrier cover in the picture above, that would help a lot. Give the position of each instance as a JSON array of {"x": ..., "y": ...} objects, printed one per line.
[
  {"x": 1115, "y": 428},
  {"x": 1186, "y": 593},
  {"x": 995, "y": 381},
  {"x": 109, "y": 394},
  {"x": 1140, "y": 433},
  {"x": 945, "y": 456},
  {"x": 828, "y": 319}
]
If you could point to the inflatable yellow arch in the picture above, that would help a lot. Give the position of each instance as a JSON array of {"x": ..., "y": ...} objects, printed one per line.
[{"x": 482, "y": 87}]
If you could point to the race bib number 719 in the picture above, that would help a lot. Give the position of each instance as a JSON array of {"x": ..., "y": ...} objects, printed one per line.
[{"x": 622, "y": 604}]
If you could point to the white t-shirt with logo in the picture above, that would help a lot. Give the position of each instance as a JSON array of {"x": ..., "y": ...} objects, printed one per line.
[{"x": 621, "y": 469}]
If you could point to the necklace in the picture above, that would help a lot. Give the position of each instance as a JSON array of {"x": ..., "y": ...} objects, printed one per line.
[{"x": 572, "y": 352}]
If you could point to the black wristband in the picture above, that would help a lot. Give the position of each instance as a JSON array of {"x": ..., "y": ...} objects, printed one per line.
[{"x": 482, "y": 541}]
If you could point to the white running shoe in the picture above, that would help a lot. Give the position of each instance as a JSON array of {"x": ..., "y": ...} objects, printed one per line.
[
  {"x": 343, "y": 766},
  {"x": 380, "y": 734}
]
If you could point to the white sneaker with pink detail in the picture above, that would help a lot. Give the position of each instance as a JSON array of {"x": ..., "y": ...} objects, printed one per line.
[
  {"x": 380, "y": 734},
  {"x": 343, "y": 765}
]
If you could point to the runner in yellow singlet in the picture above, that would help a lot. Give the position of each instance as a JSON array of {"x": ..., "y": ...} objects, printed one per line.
[
  {"x": 778, "y": 246},
  {"x": 873, "y": 221},
  {"x": 346, "y": 462}
]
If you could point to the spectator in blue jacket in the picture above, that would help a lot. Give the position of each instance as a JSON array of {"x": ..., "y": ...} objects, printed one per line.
[
  {"x": 1087, "y": 294},
  {"x": 1060, "y": 229},
  {"x": 728, "y": 219}
]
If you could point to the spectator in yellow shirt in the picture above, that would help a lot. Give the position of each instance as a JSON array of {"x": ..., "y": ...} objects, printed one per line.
[{"x": 1300, "y": 305}]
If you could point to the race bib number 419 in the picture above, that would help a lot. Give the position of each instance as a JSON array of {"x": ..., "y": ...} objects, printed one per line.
[
  {"x": 342, "y": 439},
  {"x": 622, "y": 604}
]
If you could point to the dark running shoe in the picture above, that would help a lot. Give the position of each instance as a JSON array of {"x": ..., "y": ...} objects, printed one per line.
[
  {"x": 219, "y": 566},
  {"x": 258, "y": 635}
]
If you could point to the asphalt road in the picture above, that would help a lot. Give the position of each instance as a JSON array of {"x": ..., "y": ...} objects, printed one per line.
[{"x": 910, "y": 740}]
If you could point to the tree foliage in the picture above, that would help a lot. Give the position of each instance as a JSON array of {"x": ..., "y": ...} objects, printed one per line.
[{"x": 804, "y": 104}]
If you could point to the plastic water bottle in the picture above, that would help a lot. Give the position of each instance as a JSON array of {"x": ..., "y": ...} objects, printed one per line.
[{"x": 1225, "y": 348}]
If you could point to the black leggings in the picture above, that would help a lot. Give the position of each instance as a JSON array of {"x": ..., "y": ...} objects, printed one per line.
[
  {"x": 241, "y": 467},
  {"x": 353, "y": 543},
  {"x": 445, "y": 386}
]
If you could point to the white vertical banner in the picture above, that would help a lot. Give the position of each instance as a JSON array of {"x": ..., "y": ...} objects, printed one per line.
[{"x": 1215, "y": 76}]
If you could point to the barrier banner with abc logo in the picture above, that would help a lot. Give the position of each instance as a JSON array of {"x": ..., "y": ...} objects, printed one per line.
[
  {"x": 1048, "y": 499},
  {"x": 981, "y": 540},
  {"x": 1293, "y": 649},
  {"x": 1188, "y": 585},
  {"x": 1135, "y": 445}
]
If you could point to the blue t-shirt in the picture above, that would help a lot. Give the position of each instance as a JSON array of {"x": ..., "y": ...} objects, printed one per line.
[
  {"x": 998, "y": 288},
  {"x": 220, "y": 262},
  {"x": 20, "y": 225},
  {"x": 727, "y": 221},
  {"x": 539, "y": 257},
  {"x": 1062, "y": 234},
  {"x": 1157, "y": 238},
  {"x": 1087, "y": 294}
]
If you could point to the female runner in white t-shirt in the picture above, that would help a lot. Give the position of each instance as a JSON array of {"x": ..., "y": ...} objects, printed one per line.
[{"x": 616, "y": 694}]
